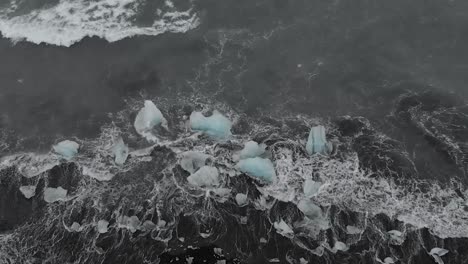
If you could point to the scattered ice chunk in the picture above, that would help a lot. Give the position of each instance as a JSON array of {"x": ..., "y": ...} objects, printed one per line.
[
  {"x": 133, "y": 223},
  {"x": 120, "y": 150},
  {"x": 189, "y": 260},
  {"x": 389, "y": 260},
  {"x": 317, "y": 141},
  {"x": 274, "y": 260},
  {"x": 437, "y": 253},
  {"x": 191, "y": 161},
  {"x": 54, "y": 194},
  {"x": 28, "y": 191},
  {"x": 311, "y": 187},
  {"x": 352, "y": 230},
  {"x": 206, "y": 176},
  {"x": 223, "y": 261},
  {"x": 218, "y": 251},
  {"x": 258, "y": 167},
  {"x": 216, "y": 125},
  {"x": 263, "y": 240},
  {"x": 310, "y": 209},
  {"x": 251, "y": 150},
  {"x": 283, "y": 228},
  {"x": 147, "y": 118},
  {"x": 303, "y": 261},
  {"x": 148, "y": 225},
  {"x": 67, "y": 149},
  {"x": 340, "y": 246},
  {"x": 396, "y": 237},
  {"x": 102, "y": 226},
  {"x": 241, "y": 199},
  {"x": 75, "y": 227}
]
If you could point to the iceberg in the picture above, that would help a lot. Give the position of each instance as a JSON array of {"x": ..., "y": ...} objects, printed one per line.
[
  {"x": 317, "y": 141},
  {"x": 241, "y": 199},
  {"x": 283, "y": 228},
  {"x": 216, "y": 125},
  {"x": 251, "y": 150},
  {"x": 120, "y": 151},
  {"x": 191, "y": 161},
  {"x": 340, "y": 246},
  {"x": 147, "y": 118},
  {"x": 54, "y": 194},
  {"x": 102, "y": 226},
  {"x": 311, "y": 187},
  {"x": 28, "y": 191},
  {"x": 206, "y": 176},
  {"x": 258, "y": 168},
  {"x": 309, "y": 209},
  {"x": 67, "y": 149}
]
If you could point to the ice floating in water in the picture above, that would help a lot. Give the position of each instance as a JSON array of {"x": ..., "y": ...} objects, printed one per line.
[
  {"x": 191, "y": 161},
  {"x": 283, "y": 228},
  {"x": 28, "y": 191},
  {"x": 251, "y": 150},
  {"x": 396, "y": 237},
  {"x": 241, "y": 199},
  {"x": 76, "y": 227},
  {"x": 67, "y": 149},
  {"x": 317, "y": 141},
  {"x": 120, "y": 151},
  {"x": 216, "y": 125},
  {"x": 54, "y": 194},
  {"x": 102, "y": 226},
  {"x": 309, "y": 209},
  {"x": 258, "y": 167},
  {"x": 340, "y": 246},
  {"x": 311, "y": 187},
  {"x": 389, "y": 260},
  {"x": 147, "y": 118},
  {"x": 206, "y": 176},
  {"x": 131, "y": 223},
  {"x": 437, "y": 253},
  {"x": 352, "y": 230}
]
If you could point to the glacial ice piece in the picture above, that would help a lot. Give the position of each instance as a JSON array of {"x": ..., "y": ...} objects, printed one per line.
[
  {"x": 317, "y": 141},
  {"x": 191, "y": 161},
  {"x": 311, "y": 187},
  {"x": 206, "y": 176},
  {"x": 258, "y": 167},
  {"x": 216, "y": 125},
  {"x": 131, "y": 223},
  {"x": 241, "y": 199},
  {"x": 340, "y": 246},
  {"x": 396, "y": 237},
  {"x": 283, "y": 228},
  {"x": 76, "y": 227},
  {"x": 389, "y": 260},
  {"x": 352, "y": 230},
  {"x": 437, "y": 253},
  {"x": 54, "y": 194},
  {"x": 251, "y": 150},
  {"x": 147, "y": 118},
  {"x": 309, "y": 209},
  {"x": 120, "y": 150},
  {"x": 102, "y": 226},
  {"x": 28, "y": 191},
  {"x": 67, "y": 149}
]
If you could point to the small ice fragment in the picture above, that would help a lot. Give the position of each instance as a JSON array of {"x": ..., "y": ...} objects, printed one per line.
[
  {"x": 133, "y": 223},
  {"x": 148, "y": 225},
  {"x": 75, "y": 227},
  {"x": 147, "y": 118},
  {"x": 258, "y": 167},
  {"x": 206, "y": 176},
  {"x": 389, "y": 260},
  {"x": 189, "y": 260},
  {"x": 263, "y": 240},
  {"x": 438, "y": 251},
  {"x": 218, "y": 251},
  {"x": 309, "y": 209},
  {"x": 396, "y": 236},
  {"x": 191, "y": 161},
  {"x": 311, "y": 187},
  {"x": 352, "y": 230},
  {"x": 67, "y": 149},
  {"x": 251, "y": 150},
  {"x": 340, "y": 246},
  {"x": 216, "y": 125},
  {"x": 303, "y": 261},
  {"x": 102, "y": 226},
  {"x": 54, "y": 194},
  {"x": 120, "y": 151},
  {"x": 283, "y": 228},
  {"x": 28, "y": 191},
  {"x": 223, "y": 261},
  {"x": 274, "y": 260},
  {"x": 317, "y": 141},
  {"x": 241, "y": 199}
]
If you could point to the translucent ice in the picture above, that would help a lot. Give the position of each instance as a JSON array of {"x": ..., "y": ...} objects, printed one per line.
[
  {"x": 241, "y": 199},
  {"x": 311, "y": 187},
  {"x": 258, "y": 167},
  {"x": 283, "y": 228},
  {"x": 67, "y": 149},
  {"x": 340, "y": 246},
  {"x": 54, "y": 194},
  {"x": 28, "y": 191},
  {"x": 120, "y": 150},
  {"x": 251, "y": 150},
  {"x": 191, "y": 161},
  {"x": 216, "y": 125},
  {"x": 147, "y": 118},
  {"x": 317, "y": 141},
  {"x": 206, "y": 176},
  {"x": 102, "y": 226},
  {"x": 309, "y": 209}
]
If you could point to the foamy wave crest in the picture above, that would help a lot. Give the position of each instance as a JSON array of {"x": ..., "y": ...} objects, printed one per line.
[{"x": 69, "y": 21}]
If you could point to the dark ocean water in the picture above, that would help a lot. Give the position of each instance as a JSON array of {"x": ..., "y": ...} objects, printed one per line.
[{"x": 386, "y": 78}]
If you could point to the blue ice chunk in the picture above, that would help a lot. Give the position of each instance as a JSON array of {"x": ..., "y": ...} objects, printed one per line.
[
  {"x": 251, "y": 150},
  {"x": 206, "y": 176},
  {"x": 67, "y": 149},
  {"x": 317, "y": 141},
  {"x": 258, "y": 167},
  {"x": 216, "y": 125},
  {"x": 120, "y": 151},
  {"x": 147, "y": 118}
]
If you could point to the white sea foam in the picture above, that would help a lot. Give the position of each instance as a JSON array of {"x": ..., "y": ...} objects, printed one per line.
[{"x": 69, "y": 21}]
